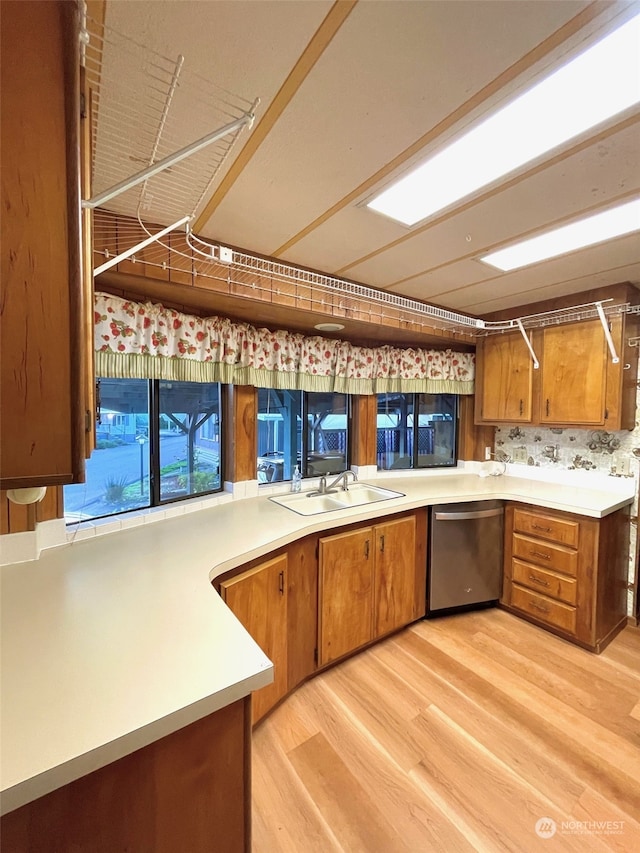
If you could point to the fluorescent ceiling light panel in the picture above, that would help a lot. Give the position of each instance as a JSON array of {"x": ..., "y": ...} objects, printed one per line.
[
  {"x": 595, "y": 86},
  {"x": 615, "y": 222}
]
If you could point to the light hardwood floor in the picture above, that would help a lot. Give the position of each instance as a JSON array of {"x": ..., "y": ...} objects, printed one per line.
[{"x": 457, "y": 734}]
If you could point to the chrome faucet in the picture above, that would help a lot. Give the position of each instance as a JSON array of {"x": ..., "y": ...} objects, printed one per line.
[
  {"x": 324, "y": 489},
  {"x": 344, "y": 476}
]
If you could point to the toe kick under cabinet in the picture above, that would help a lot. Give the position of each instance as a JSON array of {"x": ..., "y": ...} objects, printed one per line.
[{"x": 567, "y": 572}]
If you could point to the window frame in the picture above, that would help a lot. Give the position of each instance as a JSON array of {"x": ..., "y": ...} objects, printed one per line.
[
  {"x": 155, "y": 500},
  {"x": 413, "y": 410}
]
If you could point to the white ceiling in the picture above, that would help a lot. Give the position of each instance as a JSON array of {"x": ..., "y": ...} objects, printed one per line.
[{"x": 395, "y": 81}]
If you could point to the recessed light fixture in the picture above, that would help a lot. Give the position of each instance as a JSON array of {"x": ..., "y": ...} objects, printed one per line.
[
  {"x": 329, "y": 327},
  {"x": 595, "y": 86},
  {"x": 615, "y": 222}
]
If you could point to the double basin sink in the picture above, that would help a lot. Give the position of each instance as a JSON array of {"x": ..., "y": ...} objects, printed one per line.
[{"x": 358, "y": 494}]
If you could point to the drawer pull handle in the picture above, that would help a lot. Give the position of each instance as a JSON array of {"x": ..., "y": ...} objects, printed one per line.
[
  {"x": 539, "y": 607},
  {"x": 537, "y": 580},
  {"x": 540, "y": 555},
  {"x": 382, "y": 544},
  {"x": 540, "y": 527},
  {"x": 366, "y": 549},
  {"x": 281, "y": 583}
]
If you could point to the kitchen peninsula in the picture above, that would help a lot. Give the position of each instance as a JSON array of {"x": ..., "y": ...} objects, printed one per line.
[{"x": 123, "y": 652}]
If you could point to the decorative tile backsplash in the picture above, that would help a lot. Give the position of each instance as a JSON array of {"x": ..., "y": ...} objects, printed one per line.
[{"x": 614, "y": 453}]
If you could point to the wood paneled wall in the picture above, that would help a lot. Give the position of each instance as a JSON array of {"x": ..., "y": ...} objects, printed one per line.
[
  {"x": 17, "y": 518},
  {"x": 472, "y": 439},
  {"x": 363, "y": 430},
  {"x": 240, "y": 412}
]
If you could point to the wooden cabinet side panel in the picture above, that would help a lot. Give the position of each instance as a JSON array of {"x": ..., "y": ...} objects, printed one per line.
[
  {"x": 420, "y": 586},
  {"x": 345, "y": 593},
  {"x": 37, "y": 336},
  {"x": 507, "y": 575},
  {"x": 302, "y": 610},
  {"x": 178, "y": 793},
  {"x": 620, "y": 407},
  {"x": 395, "y": 574},
  {"x": 587, "y": 575},
  {"x": 259, "y": 600},
  {"x": 613, "y": 573}
]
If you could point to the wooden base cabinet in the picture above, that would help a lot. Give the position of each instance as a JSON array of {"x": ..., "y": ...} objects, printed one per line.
[
  {"x": 258, "y": 598},
  {"x": 188, "y": 791},
  {"x": 372, "y": 580},
  {"x": 567, "y": 572},
  {"x": 322, "y": 597}
]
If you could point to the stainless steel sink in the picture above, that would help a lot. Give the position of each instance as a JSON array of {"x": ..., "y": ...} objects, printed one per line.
[{"x": 358, "y": 494}]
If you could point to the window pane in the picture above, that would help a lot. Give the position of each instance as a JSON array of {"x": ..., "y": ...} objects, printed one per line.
[
  {"x": 437, "y": 427},
  {"x": 189, "y": 429},
  {"x": 117, "y": 474},
  {"x": 327, "y": 434},
  {"x": 279, "y": 434},
  {"x": 394, "y": 436},
  {"x": 403, "y": 444}
]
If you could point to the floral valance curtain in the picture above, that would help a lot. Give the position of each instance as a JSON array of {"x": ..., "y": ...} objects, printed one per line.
[{"x": 149, "y": 341}]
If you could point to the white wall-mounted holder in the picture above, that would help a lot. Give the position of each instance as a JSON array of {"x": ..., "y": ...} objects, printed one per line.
[{"x": 26, "y": 496}]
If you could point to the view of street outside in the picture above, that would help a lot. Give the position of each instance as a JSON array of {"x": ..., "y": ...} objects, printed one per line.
[{"x": 117, "y": 478}]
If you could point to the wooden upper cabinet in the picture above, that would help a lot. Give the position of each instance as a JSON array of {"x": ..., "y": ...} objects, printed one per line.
[
  {"x": 505, "y": 380},
  {"x": 258, "y": 598},
  {"x": 573, "y": 374},
  {"x": 577, "y": 383},
  {"x": 41, "y": 356}
]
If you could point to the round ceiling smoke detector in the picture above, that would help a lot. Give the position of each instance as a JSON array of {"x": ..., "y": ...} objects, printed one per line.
[{"x": 329, "y": 327}]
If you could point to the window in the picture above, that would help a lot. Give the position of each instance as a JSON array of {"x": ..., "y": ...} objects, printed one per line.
[
  {"x": 320, "y": 448},
  {"x": 416, "y": 430},
  {"x": 156, "y": 442}
]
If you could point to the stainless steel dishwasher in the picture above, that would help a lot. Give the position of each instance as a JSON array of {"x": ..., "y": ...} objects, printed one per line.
[{"x": 465, "y": 554}]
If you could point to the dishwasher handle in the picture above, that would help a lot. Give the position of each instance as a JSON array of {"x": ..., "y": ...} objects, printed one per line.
[{"x": 464, "y": 516}]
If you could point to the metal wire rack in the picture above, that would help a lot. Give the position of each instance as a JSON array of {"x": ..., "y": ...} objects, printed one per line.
[{"x": 139, "y": 103}]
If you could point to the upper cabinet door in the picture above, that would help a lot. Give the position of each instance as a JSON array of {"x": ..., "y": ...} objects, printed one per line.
[
  {"x": 41, "y": 317},
  {"x": 504, "y": 379},
  {"x": 573, "y": 374}
]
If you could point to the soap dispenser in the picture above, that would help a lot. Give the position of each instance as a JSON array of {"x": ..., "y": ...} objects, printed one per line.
[{"x": 296, "y": 480}]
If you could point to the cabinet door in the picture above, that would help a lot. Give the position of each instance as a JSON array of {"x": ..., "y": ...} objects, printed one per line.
[
  {"x": 505, "y": 392},
  {"x": 346, "y": 593},
  {"x": 574, "y": 372},
  {"x": 42, "y": 443},
  {"x": 395, "y": 575},
  {"x": 258, "y": 598}
]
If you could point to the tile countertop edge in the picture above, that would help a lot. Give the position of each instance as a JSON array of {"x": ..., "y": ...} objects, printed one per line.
[{"x": 94, "y": 571}]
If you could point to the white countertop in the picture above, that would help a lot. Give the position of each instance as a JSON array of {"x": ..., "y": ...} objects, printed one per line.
[{"x": 113, "y": 642}]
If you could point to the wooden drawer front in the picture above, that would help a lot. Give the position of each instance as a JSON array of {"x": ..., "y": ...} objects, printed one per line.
[
  {"x": 549, "y": 583},
  {"x": 563, "y": 531},
  {"x": 552, "y": 612},
  {"x": 547, "y": 556}
]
